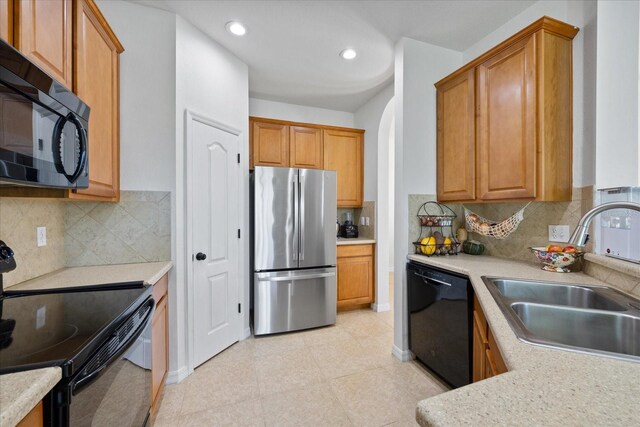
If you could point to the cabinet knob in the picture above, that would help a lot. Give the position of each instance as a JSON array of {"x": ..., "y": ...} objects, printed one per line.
[{"x": 200, "y": 256}]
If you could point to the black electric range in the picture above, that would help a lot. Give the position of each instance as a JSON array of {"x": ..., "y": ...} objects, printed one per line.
[
  {"x": 63, "y": 327},
  {"x": 100, "y": 336}
]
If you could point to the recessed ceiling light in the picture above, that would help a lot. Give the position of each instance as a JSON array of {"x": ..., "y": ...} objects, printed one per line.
[
  {"x": 236, "y": 28},
  {"x": 348, "y": 53}
]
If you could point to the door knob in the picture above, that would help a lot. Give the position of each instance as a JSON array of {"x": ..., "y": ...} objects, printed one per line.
[{"x": 200, "y": 256}]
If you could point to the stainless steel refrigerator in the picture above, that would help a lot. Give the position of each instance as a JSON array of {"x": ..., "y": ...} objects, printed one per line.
[{"x": 293, "y": 249}]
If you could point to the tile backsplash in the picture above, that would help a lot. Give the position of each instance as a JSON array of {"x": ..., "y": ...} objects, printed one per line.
[
  {"x": 137, "y": 229},
  {"x": 19, "y": 219},
  {"x": 532, "y": 231},
  {"x": 368, "y": 210}
]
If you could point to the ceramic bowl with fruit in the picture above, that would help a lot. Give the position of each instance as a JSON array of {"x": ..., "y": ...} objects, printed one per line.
[{"x": 557, "y": 258}]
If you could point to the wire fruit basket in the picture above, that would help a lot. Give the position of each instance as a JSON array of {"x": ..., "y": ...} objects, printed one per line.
[{"x": 436, "y": 235}]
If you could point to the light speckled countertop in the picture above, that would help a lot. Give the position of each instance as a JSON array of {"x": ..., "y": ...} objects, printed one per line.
[
  {"x": 20, "y": 392},
  {"x": 354, "y": 241},
  {"x": 543, "y": 386},
  {"x": 148, "y": 272}
]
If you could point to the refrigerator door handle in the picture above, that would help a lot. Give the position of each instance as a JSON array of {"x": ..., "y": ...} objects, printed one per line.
[
  {"x": 295, "y": 217},
  {"x": 302, "y": 218},
  {"x": 267, "y": 278}
]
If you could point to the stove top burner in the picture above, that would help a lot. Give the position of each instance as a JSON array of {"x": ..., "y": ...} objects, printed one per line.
[{"x": 62, "y": 327}]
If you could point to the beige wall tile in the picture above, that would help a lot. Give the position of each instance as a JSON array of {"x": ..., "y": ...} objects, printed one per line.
[
  {"x": 532, "y": 231},
  {"x": 138, "y": 229},
  {"x": 18, "y": 221}
]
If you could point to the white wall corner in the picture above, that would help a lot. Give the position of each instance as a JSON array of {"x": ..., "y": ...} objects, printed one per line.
[
  {"x": 174, "y": 377},
  {"x": 402, "y": 355},
  {"x": 380, "y": 307}
]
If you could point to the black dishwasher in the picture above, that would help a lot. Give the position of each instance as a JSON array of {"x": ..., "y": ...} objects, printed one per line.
[{"x": 440, "y": 328}]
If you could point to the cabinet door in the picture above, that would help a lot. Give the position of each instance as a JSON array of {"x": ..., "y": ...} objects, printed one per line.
[
  {"x": 44, "y": 35},
  {"x": 507, "y": 123},
  {"x": 479, "y": 348},
  {"x": 159, "y": 352},
  {"x": 97, "y": 73},
  {"x": 343, "y": 154},
  {"x": 355, "y": 267},
  {"x": 305, "y": 147},
  {"x": 270, "y": 144},
  {"x": 456, "y": 139},
  {"x": 6, "y": 20},
  {"x": 35, "y": 418}
]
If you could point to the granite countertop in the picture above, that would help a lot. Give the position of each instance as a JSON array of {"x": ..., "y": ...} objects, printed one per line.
[
  {"x": 21, "y": 392},
  {"x": 148, "y": 272},
  {"x": 354, "y": 241},
  {"x": 543, "y": 386}
]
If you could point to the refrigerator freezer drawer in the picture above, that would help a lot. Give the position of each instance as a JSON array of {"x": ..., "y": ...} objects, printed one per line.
[{"x": 294, "y": 300}]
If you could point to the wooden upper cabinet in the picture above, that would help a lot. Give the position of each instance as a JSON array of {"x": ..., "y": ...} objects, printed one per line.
[
  {"x": 456, "y": 138},
  {"x": 6, "y": 20},
  {"x": 270, "y": 144},
  {"x": 507, "y": 123},
  {"x": 44, "y": 33},
  {"x": 97, "y": 75},
  {"x": 343, "y": 153},
  {"x": 305, "y": 147},
  {"x": 522, "y": 116}
]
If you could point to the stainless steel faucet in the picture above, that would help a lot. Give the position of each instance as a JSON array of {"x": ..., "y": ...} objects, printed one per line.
[{"x": 580, "y": 234}]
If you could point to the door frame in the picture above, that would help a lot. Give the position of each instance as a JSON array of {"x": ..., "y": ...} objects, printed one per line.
[{"x": 190, "y": 117}]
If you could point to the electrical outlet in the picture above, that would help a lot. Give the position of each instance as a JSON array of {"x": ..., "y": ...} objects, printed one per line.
[
  {"x": 362, "y": 220},
  {"x": 559, "y": 233},
  {"x": 41, "y": 317},
  {"x": 366, "y": 220},
  {"x": 41, "y": 233}
]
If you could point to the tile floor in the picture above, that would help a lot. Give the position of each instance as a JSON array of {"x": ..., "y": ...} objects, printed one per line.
[{"x": 342, "y": 375}]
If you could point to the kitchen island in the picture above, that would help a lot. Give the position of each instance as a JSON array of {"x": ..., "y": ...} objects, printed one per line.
[{"x": 543, "y": 386}]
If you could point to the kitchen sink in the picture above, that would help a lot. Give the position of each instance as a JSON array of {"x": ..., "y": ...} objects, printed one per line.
[
  {"x": 582, "y": 318},
  {"x": 555, "y": 293},
  {"x": 589, "y": 329}
]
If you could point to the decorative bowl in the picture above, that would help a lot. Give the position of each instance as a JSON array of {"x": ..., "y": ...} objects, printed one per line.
[{"x": 556, "y": 261}]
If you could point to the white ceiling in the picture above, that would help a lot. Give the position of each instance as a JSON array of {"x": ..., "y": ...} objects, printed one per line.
[{"x": 292, "y": 47}]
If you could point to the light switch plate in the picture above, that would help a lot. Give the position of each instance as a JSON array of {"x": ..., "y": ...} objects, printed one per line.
[
  {"x": 559, "y": 233},
  {"x": 41, "y": 233}
]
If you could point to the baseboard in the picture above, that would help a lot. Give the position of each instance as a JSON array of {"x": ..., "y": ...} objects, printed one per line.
[
  {"x": 403, "y": 355},
  {"x": 380, "y": 307},
  {"x": 247, "y": 334},
  {"x": 174, "y": 377}
]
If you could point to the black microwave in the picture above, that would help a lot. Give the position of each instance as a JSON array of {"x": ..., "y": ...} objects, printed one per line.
[{"x": 43, "y": 127}]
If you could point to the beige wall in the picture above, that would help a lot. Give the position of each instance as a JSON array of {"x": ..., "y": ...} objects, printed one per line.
[{"x": 18, "y": 221}]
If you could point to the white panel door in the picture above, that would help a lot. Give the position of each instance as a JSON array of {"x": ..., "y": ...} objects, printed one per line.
[{"x": 216, "y": 220}]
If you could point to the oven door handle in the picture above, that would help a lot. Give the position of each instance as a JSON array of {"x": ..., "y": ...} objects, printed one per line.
[{"x": 83, "y": 380}]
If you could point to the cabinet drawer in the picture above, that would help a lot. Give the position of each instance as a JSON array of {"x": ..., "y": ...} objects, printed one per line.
[
  {"x": 354, "y": 250},
  {"x": 160, "y": 288}
]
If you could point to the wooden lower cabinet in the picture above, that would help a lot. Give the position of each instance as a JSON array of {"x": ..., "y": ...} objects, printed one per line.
[
  {"x": 35, "y": 418},
  {"x": 355, "y": 276},
  {"x": 487, "y": 360},
  {"x": 159, "y": 342}
]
